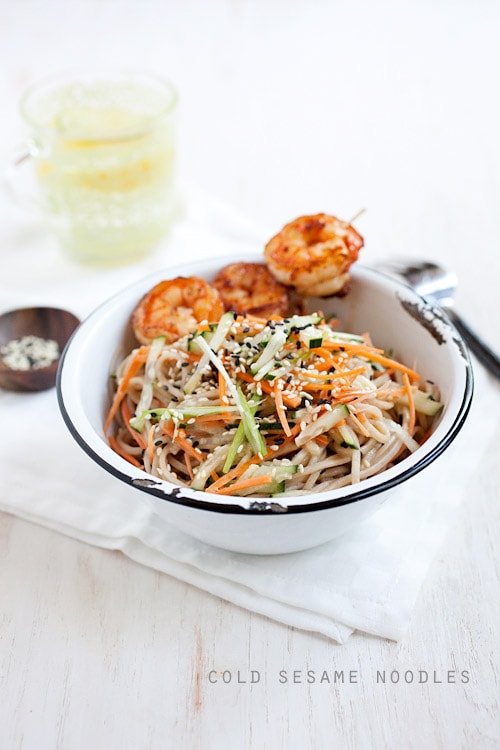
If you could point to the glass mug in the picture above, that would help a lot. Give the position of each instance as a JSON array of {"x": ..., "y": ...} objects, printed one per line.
[{"x": 103, "y": 146}]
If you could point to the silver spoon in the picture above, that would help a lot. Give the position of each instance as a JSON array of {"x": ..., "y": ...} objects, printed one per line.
[{"x": 437, "y": 286}]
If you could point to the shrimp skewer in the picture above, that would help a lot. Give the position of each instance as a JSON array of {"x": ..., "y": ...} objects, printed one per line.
[
  {"x": 174, "y": 308},
  {"x": 251, "y": 288},
  {"x": 314, "y": 255}
]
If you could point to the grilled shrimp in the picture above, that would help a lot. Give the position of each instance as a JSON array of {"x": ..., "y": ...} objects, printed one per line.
[
  {"x": 314, "y": 254},
  {"x": 173, "y": 308},
  {"x": 251, "y": 288}
]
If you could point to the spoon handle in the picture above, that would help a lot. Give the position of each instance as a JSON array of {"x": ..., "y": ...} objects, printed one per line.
[{"x": 483, "y": 352}]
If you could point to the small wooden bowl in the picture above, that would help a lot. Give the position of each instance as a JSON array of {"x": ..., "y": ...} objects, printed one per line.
[{"x": 45, "y": 322}]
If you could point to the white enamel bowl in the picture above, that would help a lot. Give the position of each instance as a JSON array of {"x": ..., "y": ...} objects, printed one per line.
[{"x": 396, "y": 318}]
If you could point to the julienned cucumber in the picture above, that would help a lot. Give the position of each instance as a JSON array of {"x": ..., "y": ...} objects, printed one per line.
[
  {"x": 239, "y": 436},
  {"x": 216, "y": 341},
  {"x": 349, "y": 337},
  {"x": 424, "y": 403},
  {"x": 279, "y": 471},
  {"x": 323, "y": 423},
  {"x": 349, "y": 437},
  {"x": 146, "y": 397},
  {"x": 275, "y": 343},
  {"x": 192, "y": 345},
  {"x": 179, "y": 415}
]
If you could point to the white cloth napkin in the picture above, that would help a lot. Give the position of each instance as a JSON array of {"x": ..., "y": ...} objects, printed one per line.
[{"x": 368, "y": 580}]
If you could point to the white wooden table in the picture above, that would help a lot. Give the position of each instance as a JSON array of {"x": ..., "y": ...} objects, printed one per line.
[{"x": 287, "y": 108}]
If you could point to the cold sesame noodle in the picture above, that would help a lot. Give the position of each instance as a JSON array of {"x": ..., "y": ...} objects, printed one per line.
[{"x": 249, "y": 406}]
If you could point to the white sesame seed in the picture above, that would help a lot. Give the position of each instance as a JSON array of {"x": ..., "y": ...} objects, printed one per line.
[{"x": 29, "y": 352}]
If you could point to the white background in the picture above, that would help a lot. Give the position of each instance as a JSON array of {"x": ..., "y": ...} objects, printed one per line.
[{"x": 285, "y": 108}]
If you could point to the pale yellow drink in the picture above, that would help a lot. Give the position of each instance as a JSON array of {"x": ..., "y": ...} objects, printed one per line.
[{"x": 104, "y": 153}]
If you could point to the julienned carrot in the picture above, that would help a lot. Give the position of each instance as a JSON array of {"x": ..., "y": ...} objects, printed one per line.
[
  {"x": 333, "y": 375},
  {"x": 150, "y": 443},
  {"x": 321, "y": 439},
  {"x": 350, "y": 346},
  {"x": 280, "y": 410},
  {"x": 248, "y": 318},
  {"x": 202, "y": 328},
  {"x": 363, "y": 395},
  {"x": 372, "y": 354},
  {"x": 233, "y": 474},
  {"x": 334, "y": 384},
  {"x": 319, "y": 386},
  {"x": 126, "y": 416},
  {"x": 136, "y": 362},
  {"x": 245, "y": 484},
  {"x": 329, "y": 363},
  {"x": 179, "y": 436},
  {"x": 113, "y": 442},
  {"x": 321, "y": 351},
  {"x": 213, "y": 418},
  {"x": 411, "y": 403},
  {"x": 357, "y": 422},
  {"x": 287, "y": 442}
]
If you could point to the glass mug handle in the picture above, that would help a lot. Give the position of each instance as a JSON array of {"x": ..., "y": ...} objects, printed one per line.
[{"x": 11, "y": 173}]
